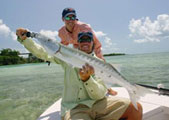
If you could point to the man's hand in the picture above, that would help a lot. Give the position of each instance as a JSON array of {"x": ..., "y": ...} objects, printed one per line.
[
  {"x": 21, "y": 33},
  {"x": 85, "y": 72},
  {"x": 111, "y": 92}
]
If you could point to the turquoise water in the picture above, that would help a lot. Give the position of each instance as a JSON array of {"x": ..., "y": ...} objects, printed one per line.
[
  {"x": 27, "y": 90},
  {"x": 149, "y": 69}
]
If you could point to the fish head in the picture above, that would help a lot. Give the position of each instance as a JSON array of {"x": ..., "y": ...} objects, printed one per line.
[{"x": 50, "y": 45}]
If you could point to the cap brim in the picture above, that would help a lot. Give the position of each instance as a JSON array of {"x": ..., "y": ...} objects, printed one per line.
[
  {"x": 71, "y": 13},
  {"x": 85, "y": 35}
]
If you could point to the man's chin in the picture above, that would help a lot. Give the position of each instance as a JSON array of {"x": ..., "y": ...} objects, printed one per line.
[
  {"x": 86, "y": 51},
  {"x": 71, "y": 24}
]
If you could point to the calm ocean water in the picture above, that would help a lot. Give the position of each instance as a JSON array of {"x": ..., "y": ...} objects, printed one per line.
[{"x": 27, "y": 90}]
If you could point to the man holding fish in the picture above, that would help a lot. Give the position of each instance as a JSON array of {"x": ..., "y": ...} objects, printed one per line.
[{"x": 84, "y": 96}]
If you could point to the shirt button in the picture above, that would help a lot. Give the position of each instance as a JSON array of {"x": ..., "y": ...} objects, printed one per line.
[
  {"x": 86, "y": 83},
  {"x": 80, "y": 88},
  {"x": 79, "y": 98},
  {"x": 91, "y": 90}
]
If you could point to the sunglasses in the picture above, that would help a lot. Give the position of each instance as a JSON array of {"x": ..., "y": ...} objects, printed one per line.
[
  {"x": 85, "y": 40},
  {"x": 70, "y": 18}
]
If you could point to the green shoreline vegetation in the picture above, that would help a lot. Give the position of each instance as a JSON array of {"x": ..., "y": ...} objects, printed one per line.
[{"x": 11, "y": 57}]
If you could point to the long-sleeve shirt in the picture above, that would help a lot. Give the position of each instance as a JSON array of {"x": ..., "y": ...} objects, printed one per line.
[
  {"x": 71, "y": 38},
  {"x": 75, "y": 90}
]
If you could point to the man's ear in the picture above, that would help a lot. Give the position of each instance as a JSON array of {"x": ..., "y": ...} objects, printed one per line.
[{"x": 63, "y": 19}]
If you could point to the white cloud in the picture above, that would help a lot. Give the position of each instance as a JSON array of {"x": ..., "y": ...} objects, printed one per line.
[
  {"x": 145, "y": 30},
  {"x": 13, "y": 35},
  {"x": 4, "y": 30},
  {"x": 99, "y": 33},
  {"x": 50, "y": 34},
  {"x": 107, "y": 43}
]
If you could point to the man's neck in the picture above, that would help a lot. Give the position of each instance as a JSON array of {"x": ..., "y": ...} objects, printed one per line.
[{"x": 70, "y": 30}]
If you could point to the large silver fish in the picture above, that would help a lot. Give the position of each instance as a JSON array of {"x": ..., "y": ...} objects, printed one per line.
[{"x": 77, "y": 58}]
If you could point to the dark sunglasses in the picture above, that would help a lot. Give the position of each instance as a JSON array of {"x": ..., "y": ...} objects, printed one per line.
[
  {"x": 85, "y": 40},
  {"x": 70, "y": 18}
]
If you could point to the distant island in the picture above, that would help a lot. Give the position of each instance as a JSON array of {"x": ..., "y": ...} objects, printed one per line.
[{"x": 114, "y": 54}]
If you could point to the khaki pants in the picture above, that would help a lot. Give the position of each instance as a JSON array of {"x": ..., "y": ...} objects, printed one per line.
[{"x": 109, "y": 108}]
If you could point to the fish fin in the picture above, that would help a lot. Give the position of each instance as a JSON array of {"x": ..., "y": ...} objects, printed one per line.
[
  {"x": 133, "y": 99},
  {"x": 136, "y": 92}
]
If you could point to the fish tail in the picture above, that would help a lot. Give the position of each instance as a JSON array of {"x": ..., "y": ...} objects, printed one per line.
[{"x": 136, "y": 93}]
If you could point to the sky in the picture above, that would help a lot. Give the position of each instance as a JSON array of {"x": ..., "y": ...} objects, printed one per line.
[{"x": 122, "y": 26}]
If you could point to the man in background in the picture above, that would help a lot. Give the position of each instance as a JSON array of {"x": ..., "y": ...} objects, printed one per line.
[{"x": 69, "y": 32}]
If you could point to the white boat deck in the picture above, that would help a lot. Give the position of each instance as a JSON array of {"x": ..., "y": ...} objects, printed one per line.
[{"x": 155, "y": 107}]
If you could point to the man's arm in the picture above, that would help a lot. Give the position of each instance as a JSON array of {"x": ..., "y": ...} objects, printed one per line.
[
  {"x": 97, "y": 47},
  {"x": 94, "y": 86},
  {"x": 63, "y": 37},
  {"x": 33, "y": 47}
]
